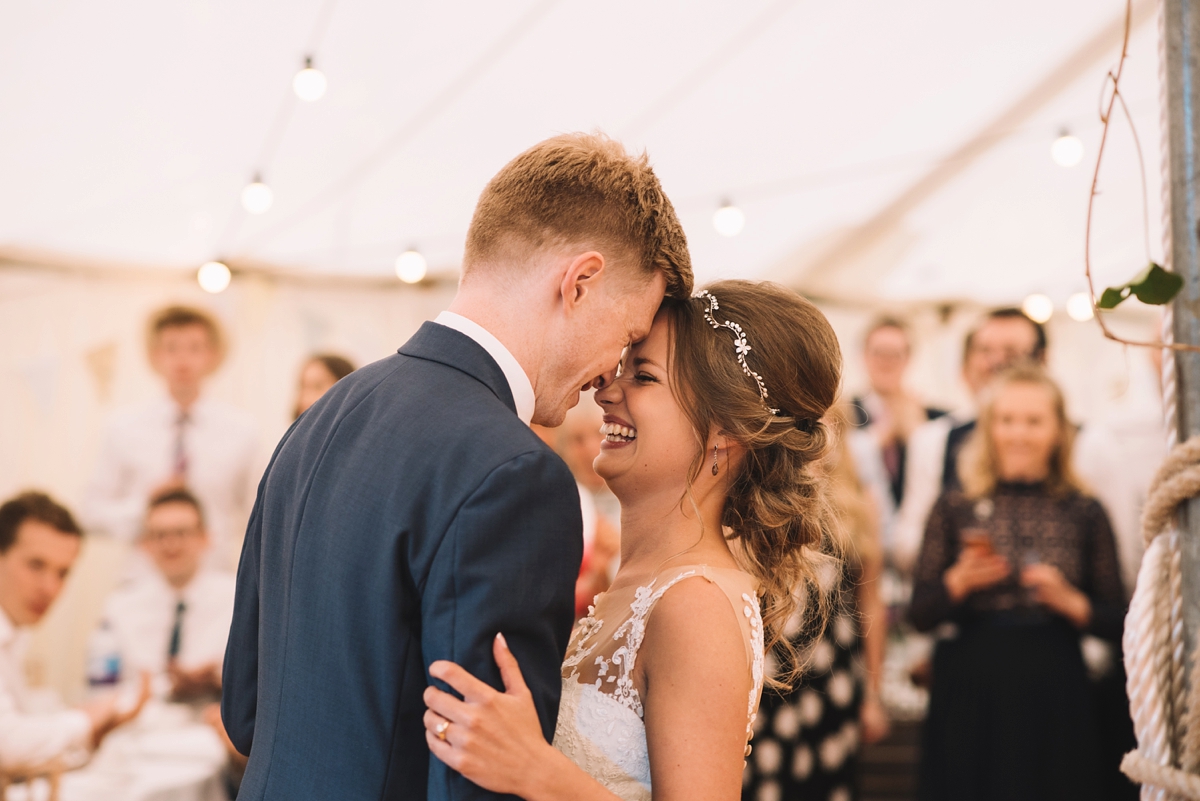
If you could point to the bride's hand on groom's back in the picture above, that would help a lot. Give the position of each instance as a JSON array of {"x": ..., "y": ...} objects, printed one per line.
[{"x": 494, "y": 739}]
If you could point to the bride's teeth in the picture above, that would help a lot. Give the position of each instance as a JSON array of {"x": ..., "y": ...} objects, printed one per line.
[{"x": 616, "y": 433}]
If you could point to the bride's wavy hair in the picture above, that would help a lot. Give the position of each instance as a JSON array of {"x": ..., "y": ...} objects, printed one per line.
[{"x": 778, "y": 516}]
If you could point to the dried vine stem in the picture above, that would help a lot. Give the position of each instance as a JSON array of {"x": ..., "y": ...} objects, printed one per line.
[{"x": 1106, "y": 120}]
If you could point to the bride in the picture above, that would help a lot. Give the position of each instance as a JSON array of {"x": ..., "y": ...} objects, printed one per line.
[{"x": 713, "y": 428}]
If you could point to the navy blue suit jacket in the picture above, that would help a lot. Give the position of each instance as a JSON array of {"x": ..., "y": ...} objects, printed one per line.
[{"x": 407, "y": 517}]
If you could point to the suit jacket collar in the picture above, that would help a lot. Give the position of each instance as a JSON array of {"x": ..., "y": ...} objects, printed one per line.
[{"x": 437, "y": 343}]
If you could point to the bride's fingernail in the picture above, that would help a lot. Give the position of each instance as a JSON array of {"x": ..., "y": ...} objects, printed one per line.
[{"x": 503, "y": 641}]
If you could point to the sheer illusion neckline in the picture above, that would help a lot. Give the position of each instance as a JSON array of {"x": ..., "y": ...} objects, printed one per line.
[{"x": 605, "y": 645}]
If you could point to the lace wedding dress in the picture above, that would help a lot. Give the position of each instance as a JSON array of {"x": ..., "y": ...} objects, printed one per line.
[{"x": 600, "y": 725}]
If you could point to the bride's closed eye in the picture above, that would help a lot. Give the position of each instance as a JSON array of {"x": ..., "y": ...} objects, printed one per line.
[{"x": 645, "y": 378}]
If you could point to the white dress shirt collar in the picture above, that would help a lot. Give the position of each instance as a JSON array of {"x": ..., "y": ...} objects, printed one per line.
[
  {"x": 170, "y": 409},
  {"x": 518, "y": 382}
]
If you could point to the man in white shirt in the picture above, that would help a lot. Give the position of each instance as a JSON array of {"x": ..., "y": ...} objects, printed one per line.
[
  {"x": 174, "y": 621},
  {"x": 885, "y": 418},
  {"x": 182, "y": 439},
  {"x": 1004, "y": 338},
  {"x": 39, "y": 541}
]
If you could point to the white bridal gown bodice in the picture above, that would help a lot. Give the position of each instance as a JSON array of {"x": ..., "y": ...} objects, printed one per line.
[{"x": 600, "y": 724}]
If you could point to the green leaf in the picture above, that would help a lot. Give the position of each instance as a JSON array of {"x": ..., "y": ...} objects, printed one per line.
[
  {"x": 1158, "y": 287},
  {"x": 1111, "y": 298},
  {"x": 1153, "y": 285}
]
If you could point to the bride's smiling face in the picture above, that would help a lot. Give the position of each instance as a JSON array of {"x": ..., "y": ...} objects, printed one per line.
[{"x": 649, "y": 442}]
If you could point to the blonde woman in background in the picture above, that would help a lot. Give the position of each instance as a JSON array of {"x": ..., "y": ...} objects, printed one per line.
[
  {"x": 1021, "y": 562},
  {"x": 807, "y": 740}
]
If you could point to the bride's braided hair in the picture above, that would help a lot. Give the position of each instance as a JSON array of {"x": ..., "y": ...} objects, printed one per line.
[{"x": 777, "y": 514}]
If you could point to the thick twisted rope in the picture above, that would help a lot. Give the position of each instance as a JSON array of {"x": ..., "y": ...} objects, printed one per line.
[
  {"x": 1173, "y": 781},
  {"x": 1166, "y": 719}
]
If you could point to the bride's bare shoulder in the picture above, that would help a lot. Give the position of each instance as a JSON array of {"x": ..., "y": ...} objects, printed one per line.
[{"x": 694, "y": 628}]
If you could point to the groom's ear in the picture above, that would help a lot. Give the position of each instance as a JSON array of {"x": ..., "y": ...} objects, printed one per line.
[{"x": 582, "y": 276}]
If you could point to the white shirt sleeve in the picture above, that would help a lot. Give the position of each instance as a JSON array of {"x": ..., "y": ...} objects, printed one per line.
[
  {"x": 925, "y": 461},
  {"x": 868, "y": 464},
  {"x": 110, "y": 505},
  {"x": 28, "y": 740}
]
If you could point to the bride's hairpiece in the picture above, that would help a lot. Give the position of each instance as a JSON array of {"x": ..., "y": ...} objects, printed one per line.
[{"x": 741, "y": 347}]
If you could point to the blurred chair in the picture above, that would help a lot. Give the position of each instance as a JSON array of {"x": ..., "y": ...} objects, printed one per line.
[{"x": 50, "y": 771}]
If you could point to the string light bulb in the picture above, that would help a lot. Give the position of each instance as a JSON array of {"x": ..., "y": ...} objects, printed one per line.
[
  {"x": 729, "y": 220},
  {"x": 309, "y": 83},
  {"x": 1039, "y": 307},
  {"x": 1067, "y": 150},
  {"x": 257, "y": 197},
  {"x": 411, "y": 266},
  {"x": 213, "y": 277},
  {"x": 1079, "y": 307}
]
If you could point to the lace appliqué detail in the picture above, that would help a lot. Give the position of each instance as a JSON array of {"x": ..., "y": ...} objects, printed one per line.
[
  {"x": 588, "y": 628},
  {"x": 752, "y": 612},
  {"x": 605, "y": 738},
  {"x": 618, "y": 670}
]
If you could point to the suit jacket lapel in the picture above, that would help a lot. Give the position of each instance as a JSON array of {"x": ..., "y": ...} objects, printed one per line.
[{"x": 437, "y": 343}]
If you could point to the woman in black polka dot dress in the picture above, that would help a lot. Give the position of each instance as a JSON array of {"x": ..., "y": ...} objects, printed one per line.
[{"x": 806, "y": 740}]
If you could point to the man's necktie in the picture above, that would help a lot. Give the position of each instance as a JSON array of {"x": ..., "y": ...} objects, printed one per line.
[
  {"x": 181, "y": 457},
  {"x": 176, "y": 631}
]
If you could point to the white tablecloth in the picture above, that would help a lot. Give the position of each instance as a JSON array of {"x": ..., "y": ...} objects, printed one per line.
[{"x": 165, "y": 755}]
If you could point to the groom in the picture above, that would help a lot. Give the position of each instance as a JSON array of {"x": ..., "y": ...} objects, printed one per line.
[{"x": 411, "y": 514}]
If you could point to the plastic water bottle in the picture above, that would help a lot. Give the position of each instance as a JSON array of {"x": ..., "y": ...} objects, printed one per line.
[{"x": 104, "y": 658}]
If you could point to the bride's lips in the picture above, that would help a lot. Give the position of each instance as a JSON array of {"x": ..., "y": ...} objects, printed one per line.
[{"x": 627, "y": 433}]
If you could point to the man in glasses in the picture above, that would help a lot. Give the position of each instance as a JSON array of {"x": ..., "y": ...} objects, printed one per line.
[{"x": 173, "y": 622}]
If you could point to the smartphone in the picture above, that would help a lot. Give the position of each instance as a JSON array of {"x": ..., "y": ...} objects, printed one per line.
[{"x": 977, "y": 539}]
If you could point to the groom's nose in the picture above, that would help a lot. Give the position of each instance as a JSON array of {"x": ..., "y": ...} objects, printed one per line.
[{"x": 603, "y": 380}]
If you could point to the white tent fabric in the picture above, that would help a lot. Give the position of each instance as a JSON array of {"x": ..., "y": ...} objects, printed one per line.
[{"x": 132, "y": 126}]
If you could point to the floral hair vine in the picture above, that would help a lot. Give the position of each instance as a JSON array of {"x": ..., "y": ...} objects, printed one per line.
[{"x": 741, "y": 347}]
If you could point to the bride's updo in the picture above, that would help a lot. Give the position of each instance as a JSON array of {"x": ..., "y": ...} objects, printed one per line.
[{"x": 777, "y": 511}]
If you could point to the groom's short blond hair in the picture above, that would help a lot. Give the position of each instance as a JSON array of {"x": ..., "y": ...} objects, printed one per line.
[{"x": 580, "y": 190}]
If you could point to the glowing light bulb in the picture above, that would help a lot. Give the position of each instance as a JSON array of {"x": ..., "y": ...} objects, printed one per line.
[
  {"x": 410, "y": 266},
  {"x": 729, "y": 219},
  {"x": 1079, "y": 307},
  {"x": 1039, "y": 307},
  {"x": 213, "y": 277},
  {"x": 257, "y": 196},
  {"x": 1067, "y": 150},
  {"x": 309, "y": 83}
]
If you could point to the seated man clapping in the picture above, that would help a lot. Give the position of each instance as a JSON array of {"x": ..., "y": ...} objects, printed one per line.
[
  {"x": 39, "y": 542},
  {"x": 174, "y": 621}
]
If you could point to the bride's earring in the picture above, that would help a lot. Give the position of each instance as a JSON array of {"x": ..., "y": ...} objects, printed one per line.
[{"x": 714, "y": 460}]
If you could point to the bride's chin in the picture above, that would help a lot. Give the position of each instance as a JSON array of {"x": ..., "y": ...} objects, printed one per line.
[{"x": 610, "y": 472}]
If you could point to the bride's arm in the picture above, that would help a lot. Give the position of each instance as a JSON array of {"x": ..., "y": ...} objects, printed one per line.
[
  {"x": 697, "y": 694},
  {"x": 495, "y": 739}
]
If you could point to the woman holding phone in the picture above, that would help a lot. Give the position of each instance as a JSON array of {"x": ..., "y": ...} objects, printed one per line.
[{"x": 1022, "y": 563}]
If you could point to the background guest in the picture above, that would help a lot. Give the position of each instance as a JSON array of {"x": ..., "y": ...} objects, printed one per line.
[
  {"x": 39, "y": 543},
  {"x": 889, "y": 411},
  {"x": 174, "y": 621},
  {"x": 320, "y": 372},
  {"x": 577, "y": 441},
  {"x": 1022, "y": 562},
  {"x": 182, "y": 439},
  {"x": 1004, "y": 338},
  {"x": 807, "y": 739}
]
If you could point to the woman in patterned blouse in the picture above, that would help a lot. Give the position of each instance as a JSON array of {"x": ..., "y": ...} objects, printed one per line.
[{"x": 1013, "y": 570}]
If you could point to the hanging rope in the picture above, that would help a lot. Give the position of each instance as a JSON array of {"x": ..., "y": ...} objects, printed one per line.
[
  {"x": 1153, "y": 639},
  {"x": 1166, "y": 715}
]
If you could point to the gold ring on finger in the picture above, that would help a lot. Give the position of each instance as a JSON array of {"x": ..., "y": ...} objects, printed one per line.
[{"x": 439, "y": 730}]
